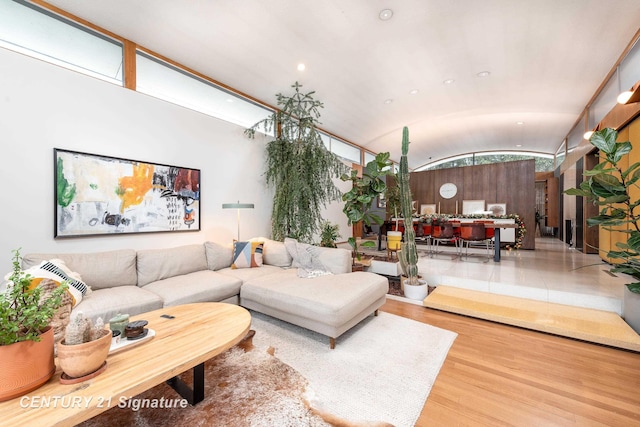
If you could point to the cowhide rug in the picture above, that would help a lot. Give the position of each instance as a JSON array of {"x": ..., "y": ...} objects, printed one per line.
[{"x": 244, "y": 386}]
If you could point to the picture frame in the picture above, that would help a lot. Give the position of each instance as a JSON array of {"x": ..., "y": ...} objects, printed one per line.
[
  {"x": 382, "y": 202},
  {"x": 472, "y": 207},
  {"x": 497, "y": 209},
  {"x": 104, "y": 195},
  {"x": 428, "y": 209}
]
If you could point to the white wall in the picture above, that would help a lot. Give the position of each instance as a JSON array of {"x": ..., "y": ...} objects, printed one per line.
[{"x": 43, "y": 106}]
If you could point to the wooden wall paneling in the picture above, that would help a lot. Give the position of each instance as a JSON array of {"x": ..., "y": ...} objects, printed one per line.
[
  {"x": 512, "y": 183},
  {"x": 421, "y": 184},
  {"x": 519, "y": 192},
  {"x": 488, "y": 177},
  {"x": 615, "y": 237},
  {"x": 552, "y": 213},
  {"x": 454, "y": 176}
]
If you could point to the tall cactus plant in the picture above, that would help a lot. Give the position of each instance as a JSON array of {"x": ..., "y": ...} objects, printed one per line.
[{"x": 408, "y": 254}]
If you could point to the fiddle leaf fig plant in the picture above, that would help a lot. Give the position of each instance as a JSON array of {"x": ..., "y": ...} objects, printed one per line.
[
  {"x": 608, "y": 186},
  {"x": 364, "y": 190}
]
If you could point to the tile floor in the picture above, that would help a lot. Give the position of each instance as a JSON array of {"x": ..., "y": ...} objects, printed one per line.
[{"x": 553, "y": 272}]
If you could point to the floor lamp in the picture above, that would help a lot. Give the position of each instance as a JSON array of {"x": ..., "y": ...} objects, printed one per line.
[{"x": 238, "y": 206}]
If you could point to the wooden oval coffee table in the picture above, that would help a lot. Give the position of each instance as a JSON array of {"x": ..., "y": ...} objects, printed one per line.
[{"x": 196, "y": 333}]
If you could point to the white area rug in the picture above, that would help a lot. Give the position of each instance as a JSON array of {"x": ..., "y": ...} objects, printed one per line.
[{"x": 381, "y": 370}]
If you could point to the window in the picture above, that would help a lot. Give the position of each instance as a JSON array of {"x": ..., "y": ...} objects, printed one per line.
[
  {"x": 345, "y": 151},
  {"x": 43, "y": 35},
  {"x": 161, "y": 80},
  {"x": 544, "y": 162},
  {"x": 368, "y": 157}
]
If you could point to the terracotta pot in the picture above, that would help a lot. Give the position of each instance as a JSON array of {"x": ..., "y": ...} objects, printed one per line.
[
  {"x": 83, "y": 359},
  {"x": 26, "y": 365}
]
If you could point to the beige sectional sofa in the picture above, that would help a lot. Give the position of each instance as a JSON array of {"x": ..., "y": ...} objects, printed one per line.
[{"x": 134, "y": 282}]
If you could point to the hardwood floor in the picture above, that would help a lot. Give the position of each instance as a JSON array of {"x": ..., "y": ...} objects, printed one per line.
[{"x": 499, "y": 375}]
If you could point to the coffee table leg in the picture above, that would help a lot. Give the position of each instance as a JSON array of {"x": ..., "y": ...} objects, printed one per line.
[{"x": 193, "y": 395}]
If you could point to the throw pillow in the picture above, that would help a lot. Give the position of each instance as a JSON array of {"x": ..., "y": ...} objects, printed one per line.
[
  {"x": 247, "y": 254},
  {"x": 57, "y": 271}
]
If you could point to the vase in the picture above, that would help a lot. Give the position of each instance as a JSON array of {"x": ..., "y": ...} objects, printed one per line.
[
  {"x": 26, "y": 365},
  {"x": 417, "y": 292},
  {"x": 631, "y": 309},
  {"x": 83, "y": 359},
  {"x": 394, "y": 238}
]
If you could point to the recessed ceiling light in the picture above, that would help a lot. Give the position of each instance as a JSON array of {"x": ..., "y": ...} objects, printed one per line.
[
  {"x": 385, "y": 14},
  {"x": 518, "y": 145},
  {"x": 414, "y": 91},
  {"x": 448, "y": 81},
  {"x": 229, "y": 100},
  {"x": 301, "y": 67},
  {"x": 520, "y": 123},
  {"x": 388, "y": 101},
  {"x": 483, "y": 73}
]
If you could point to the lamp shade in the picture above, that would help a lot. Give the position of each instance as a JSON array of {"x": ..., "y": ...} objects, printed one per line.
[{"x": 237, "y": 205}]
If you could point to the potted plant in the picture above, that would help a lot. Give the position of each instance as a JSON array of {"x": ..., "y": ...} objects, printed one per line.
[
  {"x": 299, "y": 167},
  {"x": 329, "y": 233},
  {"x": 609, "y": 186},
  {"x": 414, "y": 287},
  {"x": 26, "y": 337},
  {"x": 364, "y": 190},
  {"x": 85, "y": 347}
]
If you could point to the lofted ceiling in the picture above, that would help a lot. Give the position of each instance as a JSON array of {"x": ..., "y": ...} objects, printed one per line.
[{"x": 546, "y": 58}]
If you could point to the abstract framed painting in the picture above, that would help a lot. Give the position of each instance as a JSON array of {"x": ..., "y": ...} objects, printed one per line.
[{"x": 103, "y": 195}]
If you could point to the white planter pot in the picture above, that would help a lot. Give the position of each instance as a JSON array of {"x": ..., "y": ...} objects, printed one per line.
[
  {"x": 417, "y": 292},
  {"x": 631, "y": 309}
]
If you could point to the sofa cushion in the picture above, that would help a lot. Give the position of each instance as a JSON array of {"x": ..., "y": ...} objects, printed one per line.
[
  {"x": 218, "y": 256},
  {"x": 98, "y": 270},
  {"x": 245, "y": 274},
  {"x": 158, "y": 264},
  {"x": 274, "y": 253},
  {"x": 108, "y": 302},
  {"x": 333, "y": 300},
  {"x": 247, "y": 254},
  {"x": 201, "y": 286}
]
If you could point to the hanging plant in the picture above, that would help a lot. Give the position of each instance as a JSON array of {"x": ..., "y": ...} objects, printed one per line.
[{"x": 299, "y": 167}]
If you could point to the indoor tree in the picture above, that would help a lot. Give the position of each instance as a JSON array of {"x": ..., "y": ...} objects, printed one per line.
[{"x": 299, "y": 167}]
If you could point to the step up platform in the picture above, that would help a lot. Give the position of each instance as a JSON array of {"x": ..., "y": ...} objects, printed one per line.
[{"x": 597, "y": 326}]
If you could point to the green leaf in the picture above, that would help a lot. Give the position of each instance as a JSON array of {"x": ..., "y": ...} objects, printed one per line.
[
  {"x": 577, "y": 192},
  {"x": 605, "y": 140},
  {"x": 634, "y": 287},
  {"x": 622, "y": 149},
  {"x": 630, "y": 169},
  {"x": 609, "y": 182}
]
